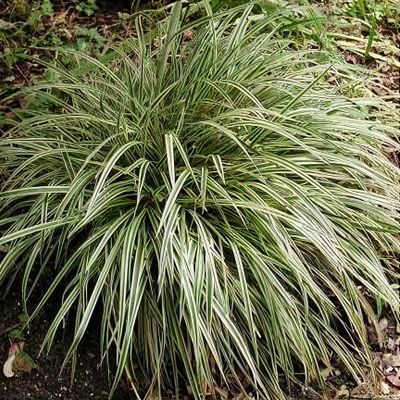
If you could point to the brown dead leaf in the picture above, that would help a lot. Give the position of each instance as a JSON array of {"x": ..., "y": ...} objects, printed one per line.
[
  {"x": 10, "y": 115},
  {"x": 351, "y": 58},
  {"x": 394, "y": 379},
  {"x": 188, "y": 35},
  {"x": 23, "y": 102},
  {"x": 23, "y": 364}
]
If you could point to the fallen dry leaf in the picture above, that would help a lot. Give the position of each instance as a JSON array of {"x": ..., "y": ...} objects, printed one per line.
[
  {"x": 351, "y": 58},
  {"x": 10, "y": 115},
  {"x": 23, "y": 102},
  {"x": 394, "y": 379},
  {"x": 18, "y": 361},
  {"x": 14, "y": 349},
  {"x": 7, "y": 367},
  {"x": 23, "y": 364},
  {"x": 188, "y": 35}
]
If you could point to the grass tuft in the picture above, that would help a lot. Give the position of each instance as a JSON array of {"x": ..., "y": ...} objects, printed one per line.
[{"x": 233, "y": 214}]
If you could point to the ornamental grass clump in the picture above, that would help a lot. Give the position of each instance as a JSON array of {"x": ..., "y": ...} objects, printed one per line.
[{"x": 229, "y": 214}]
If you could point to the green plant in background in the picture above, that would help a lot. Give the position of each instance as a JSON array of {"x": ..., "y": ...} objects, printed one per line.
[
  {"x": 232, "y": 213},
  {"x": 47, "y": 8},
  {"x": 88, "y": 7},
  {"x": 389, "y": 10},
  {"x": 366, "y": 11},
  {"x": 370, "y": 13},
  {"x": 11, "y": 54},
  {"x": 17, "y": 333},
  {"x": 21, "y": 8},
  {"x": 265, "y": 5},
  {"x": 87, "y": 38},
  {"x": 17, "y": 37}
]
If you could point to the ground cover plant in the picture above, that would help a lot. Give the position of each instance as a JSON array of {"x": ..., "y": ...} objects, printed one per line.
[{"x": 230, "y": 214}]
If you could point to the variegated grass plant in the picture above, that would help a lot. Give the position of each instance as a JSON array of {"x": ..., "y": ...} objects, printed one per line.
[{"x": 232, "y": 213}]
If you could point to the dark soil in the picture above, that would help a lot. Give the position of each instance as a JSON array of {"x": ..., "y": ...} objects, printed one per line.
[{"x": 48, "y": 382}]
